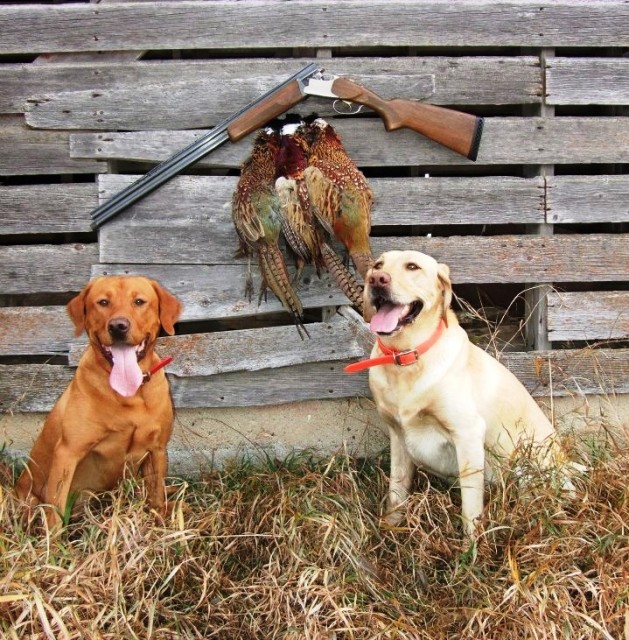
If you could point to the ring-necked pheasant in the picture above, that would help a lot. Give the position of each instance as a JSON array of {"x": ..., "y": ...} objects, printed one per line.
[
  {"x": 258, "y": 222},
  {"x": 302, "y": 231},
  {"x": 339, "y": 192},
  {"x": 299, "y": 225}
]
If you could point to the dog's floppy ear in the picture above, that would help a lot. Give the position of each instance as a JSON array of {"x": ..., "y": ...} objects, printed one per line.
[
  {"x": 443, "y": 273},
  {"x": 169, "y": 308},
  {"x": 76, "y": 311}
]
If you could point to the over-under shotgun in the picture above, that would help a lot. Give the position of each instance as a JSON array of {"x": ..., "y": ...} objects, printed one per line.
[{"x": 455, "y": 130}]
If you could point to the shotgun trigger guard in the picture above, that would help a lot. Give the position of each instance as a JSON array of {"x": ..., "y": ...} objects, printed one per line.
[{"x": 350, "y": 108}]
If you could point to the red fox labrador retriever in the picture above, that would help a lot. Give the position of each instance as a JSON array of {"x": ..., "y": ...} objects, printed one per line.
[
  {"x": 114, "y": 413},
  {"x": 445, "y": 400}
]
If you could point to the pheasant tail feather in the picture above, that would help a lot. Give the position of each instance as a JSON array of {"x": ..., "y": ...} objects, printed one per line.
[
  {"x": 276, "y": 277},
  {"x": 342, "y": 276}
]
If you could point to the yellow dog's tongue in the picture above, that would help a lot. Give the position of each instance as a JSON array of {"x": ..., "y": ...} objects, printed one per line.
[
  {"x": 126, "y": 375},
  {"x": 387, "y": 318}
]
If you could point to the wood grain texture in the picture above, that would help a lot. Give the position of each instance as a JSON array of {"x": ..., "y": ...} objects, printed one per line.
[
  {"x": 581, "y": 81},
  {"x": 590, "y": 315},
  {"x": 35, "y": 331},
  {"x": 226, "y": 25},
  {"x": 211, "y": 292},
  {"x": 29, "y": 388},
  {"x": 188, "y": 220},
  {"x": 50, "y": 208},
  {"x": 198, "y": 94},
  {"x": 566, "y": 140},
  {"x": 196, "y": 201},
  {"x": 505, "y": 258},
  {"x": 38, "y": 152},
  {"x": 538, "y": 259},
  {"x": 587, "y": 199},
  {"x": 27, "y": 269},
  {"x": 88, "y": 105}
]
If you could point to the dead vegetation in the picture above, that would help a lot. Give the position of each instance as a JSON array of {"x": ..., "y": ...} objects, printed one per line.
[{"x": 295, "y": 549}]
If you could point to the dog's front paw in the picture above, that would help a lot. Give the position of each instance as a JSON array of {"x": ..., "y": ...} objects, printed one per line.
[
  {"x": 393, "y": 518},
  {"x": 53, "y": 519}
]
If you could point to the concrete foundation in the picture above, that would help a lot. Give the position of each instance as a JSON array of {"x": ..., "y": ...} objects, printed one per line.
[{"x": 206, "y": 438}]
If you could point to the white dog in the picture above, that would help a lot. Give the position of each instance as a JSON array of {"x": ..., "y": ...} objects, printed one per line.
[{"x": 444, "y": 399}]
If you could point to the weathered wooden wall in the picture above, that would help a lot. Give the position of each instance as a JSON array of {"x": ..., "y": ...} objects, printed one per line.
[{"x": 94, "y": 94}]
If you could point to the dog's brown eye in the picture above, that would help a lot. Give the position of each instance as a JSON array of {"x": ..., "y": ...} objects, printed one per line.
[
  {"x": 103, "y": 302},
  {"x": 138, "y": 302},
  {"x": 411, "y": 266},
  {"x": 378, "y": 265}
]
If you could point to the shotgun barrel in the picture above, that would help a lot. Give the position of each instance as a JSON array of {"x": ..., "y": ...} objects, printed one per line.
[{"x": 233, "y": 128}]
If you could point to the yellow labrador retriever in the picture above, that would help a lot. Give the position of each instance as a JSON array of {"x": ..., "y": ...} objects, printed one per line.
[{"x": 444, "y": 399}]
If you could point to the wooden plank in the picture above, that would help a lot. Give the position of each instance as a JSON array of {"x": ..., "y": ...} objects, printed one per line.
[
  {"x": 228, "y": 25},
  {"x": 596, "y": 315},
  {"x": 84, "y": 58},
  {"x": 49, "y": 331},
  {"x": 539, "y": 259},
  {"x": 26, "y": 269},
  {"x": 211, "y": 292},
  {"x": 35, "y": 331},
  {"x": 38, "y": 152},
  {"x": 29, "y": 388},
  {"x": 535, "y": 329},
  {"x": 201, "y": 94},
  {"x": 47, "y": 208},
  {"x": 575, "y": 372},
  {"x": 566, "y": 140},
  {"x": 188, "y": 220},
  {"x": 589, "y": 315},
  {"x": 504, "y": 258},
  {"x": 217, "y": 291},
  {"x": 580, "y": 81},
  {"x": 208, "y": 354},
  {"x": 453, "y": 80},
  {"x": 585, "y": 199}
]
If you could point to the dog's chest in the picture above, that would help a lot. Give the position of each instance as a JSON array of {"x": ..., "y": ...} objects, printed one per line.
[
  {"x": 133, "y": 424},
  {"x": 402, "y": 392},
  {"x": 406, "y": 407}
]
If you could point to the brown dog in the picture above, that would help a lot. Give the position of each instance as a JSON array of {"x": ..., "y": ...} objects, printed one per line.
[
  {"x": 445, "y": 400},
  {"x": 112, "y": 414}
]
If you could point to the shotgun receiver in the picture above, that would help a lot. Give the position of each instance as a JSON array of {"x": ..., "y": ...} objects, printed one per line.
[{"x": 455, "y": 130}]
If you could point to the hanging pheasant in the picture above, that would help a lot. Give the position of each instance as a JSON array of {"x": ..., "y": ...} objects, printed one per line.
[
  {"x": 299, "y": 225},
  {"x": 339, "y": 193},
  {"x": 258, "y": 222},
  {"x": 301, "y": 229}
]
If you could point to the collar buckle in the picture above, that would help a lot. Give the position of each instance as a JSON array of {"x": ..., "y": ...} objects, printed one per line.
[{"x": 404, "y": 358}]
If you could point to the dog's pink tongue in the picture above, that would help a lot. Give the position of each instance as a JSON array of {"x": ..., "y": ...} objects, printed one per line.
[
  {"x": 126, "y": 375},
  {"x": 386, "y": 318}
]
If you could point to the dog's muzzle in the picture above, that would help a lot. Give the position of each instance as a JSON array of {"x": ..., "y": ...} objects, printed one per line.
[{"x": 390, "y": 315}]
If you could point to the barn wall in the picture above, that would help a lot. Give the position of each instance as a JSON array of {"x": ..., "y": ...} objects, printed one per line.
[{"x": 92, "y": 95}]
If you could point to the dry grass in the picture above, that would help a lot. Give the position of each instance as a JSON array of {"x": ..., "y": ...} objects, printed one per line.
[{"x": 296, "y": 550}]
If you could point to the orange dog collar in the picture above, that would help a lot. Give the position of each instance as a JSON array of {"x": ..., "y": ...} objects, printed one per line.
[{"x": 401, "y": 358}]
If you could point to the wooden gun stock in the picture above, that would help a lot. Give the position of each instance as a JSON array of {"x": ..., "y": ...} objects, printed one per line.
[{"x": 455, "y": 130}]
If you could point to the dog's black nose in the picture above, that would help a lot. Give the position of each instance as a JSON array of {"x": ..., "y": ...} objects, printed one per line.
[
  {"x": 118, "y": 327},
  {"x": 379, "y": 279}
]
